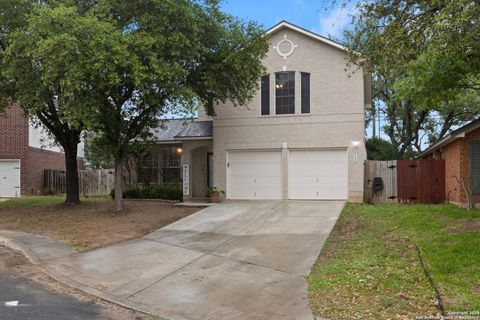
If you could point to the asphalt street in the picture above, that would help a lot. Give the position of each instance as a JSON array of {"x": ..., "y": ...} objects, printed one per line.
[{"x": 24, "y": 299}]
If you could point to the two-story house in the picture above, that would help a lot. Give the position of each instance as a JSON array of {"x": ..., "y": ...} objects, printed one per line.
[{"x": 300, "y": 137}]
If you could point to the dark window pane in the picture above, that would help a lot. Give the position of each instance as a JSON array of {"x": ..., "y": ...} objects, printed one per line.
[
  {"x": 475, "y": 167},
  {"x": 172, "y": 177},
  {"x": 148, "y": 170},
  {"x": 265, "y": 93},
  {"x": 305, "y": 92},
  {"x": 171, "y": 172},
  {"x": 285, "y": 92}
]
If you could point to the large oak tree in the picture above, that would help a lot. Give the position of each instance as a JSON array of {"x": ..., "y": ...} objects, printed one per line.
[{"x": 40, "y": 48}]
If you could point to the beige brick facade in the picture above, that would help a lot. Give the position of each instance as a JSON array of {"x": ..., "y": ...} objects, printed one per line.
[{"x": 336, "y": 117}]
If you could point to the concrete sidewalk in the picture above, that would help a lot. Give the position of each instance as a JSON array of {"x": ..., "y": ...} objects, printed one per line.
[{"x": 236, "y": 260}]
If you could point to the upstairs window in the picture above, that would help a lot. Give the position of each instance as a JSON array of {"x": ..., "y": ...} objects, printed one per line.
[
  {"x": 285, "y": 92},
  {"x": 265, "y": 93},
  {"x": 305, "y": 77}
]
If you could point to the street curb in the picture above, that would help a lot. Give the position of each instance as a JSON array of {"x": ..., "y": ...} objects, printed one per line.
[
  {"x": 18, "y": 246},
  {"x": 36, "y": 261}
]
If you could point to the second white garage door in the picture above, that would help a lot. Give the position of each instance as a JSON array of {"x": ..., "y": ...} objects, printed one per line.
[
  {"x": 254, "y": 175},
  {"x": 317, "y": 174}
]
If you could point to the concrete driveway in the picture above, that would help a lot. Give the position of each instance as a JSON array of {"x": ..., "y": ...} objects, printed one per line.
[{"x": 235, "y": 260}]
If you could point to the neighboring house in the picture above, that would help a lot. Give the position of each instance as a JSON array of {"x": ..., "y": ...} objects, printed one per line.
[
  {"x": 461, "y": 151},
  {"x": 301, "y": 137},
  {"x": 25, "y": 151}
]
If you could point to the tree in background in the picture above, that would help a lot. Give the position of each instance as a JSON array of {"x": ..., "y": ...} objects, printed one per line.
[
  {"x": 379, "y": 149},
  {"x": 425, "y": 58},
  {"x": 95, "y": 156}
]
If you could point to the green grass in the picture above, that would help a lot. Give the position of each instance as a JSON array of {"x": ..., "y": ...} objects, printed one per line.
[
  {"x": 370, "y": 267},
  {"x": 44, "y": 201}
]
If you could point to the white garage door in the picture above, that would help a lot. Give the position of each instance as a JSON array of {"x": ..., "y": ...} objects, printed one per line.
[
  {"x": 317, "y": 174},
  {"x": 254, "y": 175},
  {"x": 9, "y": 178}
]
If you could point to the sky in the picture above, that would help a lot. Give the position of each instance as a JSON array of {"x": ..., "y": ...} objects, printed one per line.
[{"x": 315, "y": 15}]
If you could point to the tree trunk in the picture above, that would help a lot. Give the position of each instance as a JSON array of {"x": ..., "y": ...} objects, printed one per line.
[
  {"x": 119, "y": 184},
  {"x": 69, "y": 138},
  {"x": 71, "y": 175}
]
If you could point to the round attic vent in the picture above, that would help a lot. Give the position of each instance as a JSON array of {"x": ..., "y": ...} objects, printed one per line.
[{"x": 285, "y": 47}]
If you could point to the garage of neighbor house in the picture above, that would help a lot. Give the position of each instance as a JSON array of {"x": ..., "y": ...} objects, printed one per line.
[{"x": 9, "y": 178}]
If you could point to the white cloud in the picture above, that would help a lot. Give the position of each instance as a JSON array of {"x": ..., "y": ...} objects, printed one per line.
[{"x": 336, "y": 21}]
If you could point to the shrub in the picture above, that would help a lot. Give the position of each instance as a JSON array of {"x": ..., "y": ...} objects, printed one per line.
[{"x": 157, "y": 192}]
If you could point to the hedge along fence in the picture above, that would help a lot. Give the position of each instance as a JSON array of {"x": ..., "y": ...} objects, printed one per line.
[
  {"x": 102, "y": 182},
  {"x": 90, "y": 182}
]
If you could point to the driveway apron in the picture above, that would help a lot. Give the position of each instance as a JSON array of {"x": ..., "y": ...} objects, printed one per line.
[{"x": 235, "y": 260}]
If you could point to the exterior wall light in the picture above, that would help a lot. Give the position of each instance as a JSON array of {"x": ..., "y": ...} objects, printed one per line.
[
  {"x": 179, "y": 150},
  {"x": 355, "y": 143}
]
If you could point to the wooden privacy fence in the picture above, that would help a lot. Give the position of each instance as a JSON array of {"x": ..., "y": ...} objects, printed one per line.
[
  {"x": 404, "y": 181},
  {"x": 96, "y": 182},
  {"x": 90, "y": 182},
  {"x": 53, "y": 181}
]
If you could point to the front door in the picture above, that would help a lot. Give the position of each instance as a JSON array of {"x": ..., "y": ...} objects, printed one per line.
[{"x": 210, "y": 170}]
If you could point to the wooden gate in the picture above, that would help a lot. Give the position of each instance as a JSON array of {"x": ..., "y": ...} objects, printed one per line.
[
  {"x": 421, "y": 181},
  {"x": 387, "y": 172}
]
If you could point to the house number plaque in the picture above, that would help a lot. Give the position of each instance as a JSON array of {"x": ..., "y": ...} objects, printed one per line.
[{"x": 186, "y": 180}]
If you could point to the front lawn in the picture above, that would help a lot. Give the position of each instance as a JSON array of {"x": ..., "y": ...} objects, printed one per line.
[
  {"x": 398, "y": 262},
  {"x": 90, "y": 225}
]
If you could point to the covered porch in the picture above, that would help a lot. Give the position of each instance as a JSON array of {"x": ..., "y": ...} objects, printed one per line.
[{"x": 182, "y": 157}]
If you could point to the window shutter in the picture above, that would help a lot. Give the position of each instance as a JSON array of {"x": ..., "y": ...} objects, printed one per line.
[
  {"x": 475, "y": 167},
  {"x": 265, "y": 95},
  {"x": 305, "y": 77}
]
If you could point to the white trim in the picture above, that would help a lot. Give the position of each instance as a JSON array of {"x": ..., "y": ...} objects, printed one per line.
[
  {"x": 289, "y": 53},
  {"x": 163, "y": 141},
  {"x": 307, "y": 33},
  {"x": 193, "y": 138}
]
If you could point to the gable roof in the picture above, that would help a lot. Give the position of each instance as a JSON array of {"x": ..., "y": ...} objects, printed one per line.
[
  {"x": 308, "y": 33},
  {"x": 458, "y": 133}
]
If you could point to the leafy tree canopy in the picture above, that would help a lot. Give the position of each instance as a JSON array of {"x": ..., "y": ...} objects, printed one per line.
[
  {"x": 425, "y": 58},
  {"x": 44, "y": 48}
]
